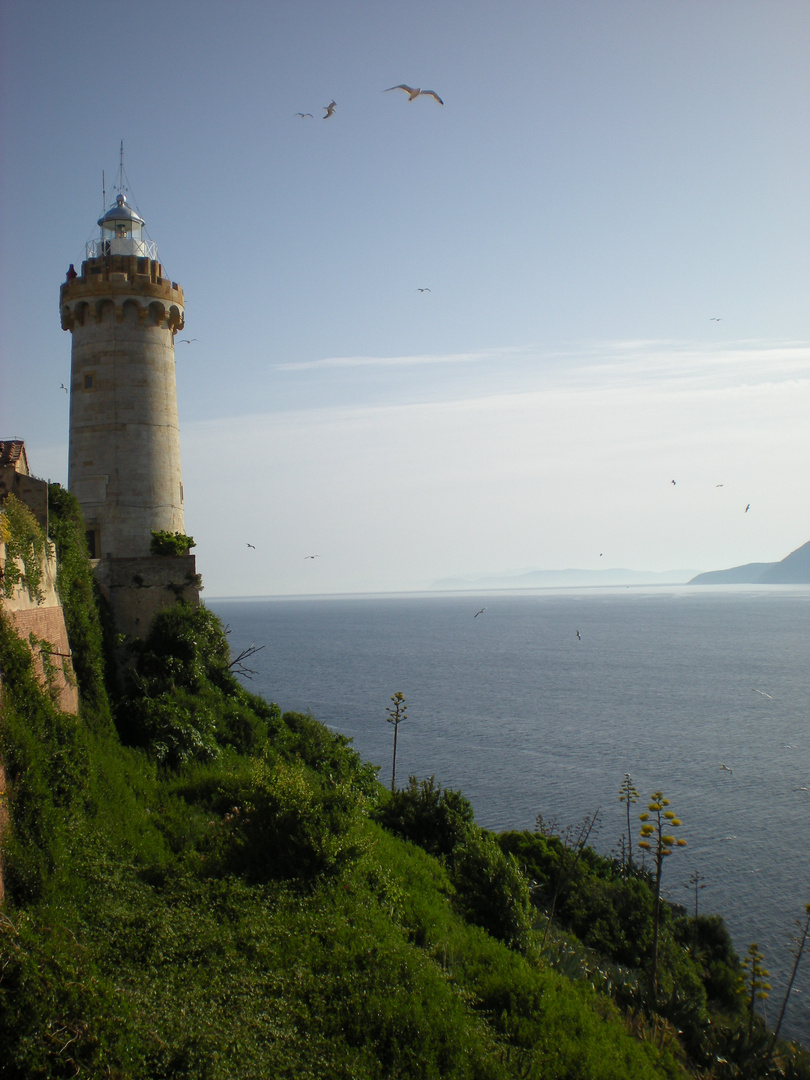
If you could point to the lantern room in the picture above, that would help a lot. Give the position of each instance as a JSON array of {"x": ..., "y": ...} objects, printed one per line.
[{"x": 121, "y": 233}]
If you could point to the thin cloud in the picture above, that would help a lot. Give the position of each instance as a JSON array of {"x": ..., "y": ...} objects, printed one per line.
[{"x": 389, "y": 361}]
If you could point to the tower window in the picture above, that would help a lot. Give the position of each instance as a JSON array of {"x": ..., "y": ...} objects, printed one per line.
[
  {"x": 93, "y": 542},
  {"x": 88, "y": 382}
]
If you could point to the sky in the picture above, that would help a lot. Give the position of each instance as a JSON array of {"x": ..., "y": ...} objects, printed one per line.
[{"x": 610, "y": 212}]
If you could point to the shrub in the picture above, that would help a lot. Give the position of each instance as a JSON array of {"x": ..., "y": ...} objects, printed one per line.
[
  {"x": 491, "y": 890},
  {"x": 170, "y": 543},
  {"x": 288, "y": 824},
  {"x": 327, "y": 752},
  {"x": 436, "y": 819}
]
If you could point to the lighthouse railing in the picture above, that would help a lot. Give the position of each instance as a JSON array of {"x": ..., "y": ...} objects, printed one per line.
[{"x": 124, "y": 245}]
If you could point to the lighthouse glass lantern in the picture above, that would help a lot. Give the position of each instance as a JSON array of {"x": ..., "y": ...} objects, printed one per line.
[{"x": 121, "y": 233}]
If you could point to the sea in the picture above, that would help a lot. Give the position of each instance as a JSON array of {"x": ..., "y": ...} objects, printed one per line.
[{"x": 539, "y": 702}]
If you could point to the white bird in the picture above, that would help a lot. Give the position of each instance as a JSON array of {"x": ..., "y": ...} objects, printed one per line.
[
  {"x": 415, "y": 92},
  {"x": 579, "y": 636},
  {"x": 727, "y": 769},
  {"x": 755, "y": 691},
  {"x": 330, "y": 108},
  {"x": 483, "y": 609}
]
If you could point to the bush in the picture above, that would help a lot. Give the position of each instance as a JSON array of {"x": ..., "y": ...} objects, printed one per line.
[
  {"x": 327, "y": 752},
  {"x": 491, "y": 890},
  {"x": 436, "y": 819},
  {"x": 170, "y": 543},
  {"x": 708, "y": 936},
  {"x": 288, "y": 824}
]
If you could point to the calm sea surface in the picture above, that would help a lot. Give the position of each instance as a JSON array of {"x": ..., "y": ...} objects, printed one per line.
[{"x": 665, "y": 684}]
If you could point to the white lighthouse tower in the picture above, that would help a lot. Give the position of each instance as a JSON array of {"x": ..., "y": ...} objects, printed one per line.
[{"x": 124, "y": 460}]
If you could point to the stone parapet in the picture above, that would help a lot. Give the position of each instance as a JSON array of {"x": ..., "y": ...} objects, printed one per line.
[{"x": 121, "y": 278}]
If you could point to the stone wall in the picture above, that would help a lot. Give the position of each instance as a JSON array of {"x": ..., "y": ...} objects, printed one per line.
[
  {"x": 46, "y": 621},
  {"x": 139, "y": 588}
]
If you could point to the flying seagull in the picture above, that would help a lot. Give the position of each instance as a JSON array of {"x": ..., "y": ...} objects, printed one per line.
[
  {"x": 672, "y": 482},
  {"x": 755, "y": 691},
  {"x": 715, "y": 320},
  {"x": 579, "y": 636},
  {"x": 747, "y": 508},
  {"x": 252, "y": 546},
  {"x": 330, "y": 108},
  {"x": 415, "y": 92},
  {"x": 423, "y": 290},
  {"x": 727, "y": 769},
  {"x": 303, "y": 115},
  {"x": 63, "y": 387},
  {"x": 187, "y": 340},
  {"x": 483, "y": 609},
  {"x": 311, "y": 557}
]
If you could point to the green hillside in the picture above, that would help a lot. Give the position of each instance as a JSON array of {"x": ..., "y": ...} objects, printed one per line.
[{"x": 198, "y": 886}]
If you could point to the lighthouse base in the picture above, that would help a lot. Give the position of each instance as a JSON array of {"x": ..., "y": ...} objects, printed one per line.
[{"x": 139, "y": 588}]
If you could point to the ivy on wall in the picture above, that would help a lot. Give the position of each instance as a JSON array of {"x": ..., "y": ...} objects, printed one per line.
[{"x": 25, "y": 549}]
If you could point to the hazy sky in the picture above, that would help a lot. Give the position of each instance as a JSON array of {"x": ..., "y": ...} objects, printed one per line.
[{"x": 603, "y": 181}]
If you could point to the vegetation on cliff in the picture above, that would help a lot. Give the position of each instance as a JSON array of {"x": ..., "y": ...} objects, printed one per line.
[{"x": 198, "y": 886}]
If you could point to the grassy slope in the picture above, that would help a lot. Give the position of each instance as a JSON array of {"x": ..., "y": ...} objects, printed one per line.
[{"x": 235, "y": 911}]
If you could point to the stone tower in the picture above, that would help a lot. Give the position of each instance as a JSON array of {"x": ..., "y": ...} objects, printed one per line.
[{"x": 124, "y": 459}]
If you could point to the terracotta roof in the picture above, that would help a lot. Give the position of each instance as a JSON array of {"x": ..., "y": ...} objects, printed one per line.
[{"x": 12, "y": 452}]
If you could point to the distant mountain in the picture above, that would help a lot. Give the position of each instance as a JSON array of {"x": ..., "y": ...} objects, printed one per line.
[
  {"x": 544, "y": 579},
  {"x": 794, "y": 569}
]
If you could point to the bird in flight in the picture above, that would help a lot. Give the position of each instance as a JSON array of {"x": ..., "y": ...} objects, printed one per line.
[
  {"x": 63, "y": 387},
  {"x": 719, "y": 485},
  {"x": 755, "y": 691},
  {"x": 311, "y": 557},
  {"x": 483, "y": 609},
  {"x": 252, "y": 546},
  {"x": 423, "y": 290},
  {"x": 415, "y": 92},
  {"x": 330, "y": 108},
  {"x": 713, "y": 319},
  {"x": 727, "y": 769},
  {"x": 748, "y": 507},
  {"x": 579, "y": 636},
  {"x": 187, "y": 340},
  {"x": 672, "y": 482},
  {"x": 303, "y": 115}
]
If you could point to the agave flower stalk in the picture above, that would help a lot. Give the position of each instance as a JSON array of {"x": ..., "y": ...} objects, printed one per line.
[{"x": 657, "y": 822}]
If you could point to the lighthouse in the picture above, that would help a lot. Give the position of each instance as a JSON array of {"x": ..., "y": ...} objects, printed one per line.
[{"x": 124, "y": 456}]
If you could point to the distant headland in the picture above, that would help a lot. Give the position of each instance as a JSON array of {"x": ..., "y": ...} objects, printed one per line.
[{"x": 794, "y": 569}]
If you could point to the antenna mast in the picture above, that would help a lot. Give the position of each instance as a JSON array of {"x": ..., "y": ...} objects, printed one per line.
[
  {"x": 103, "y": 194},
  {"x": 121, "y": 169}
]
